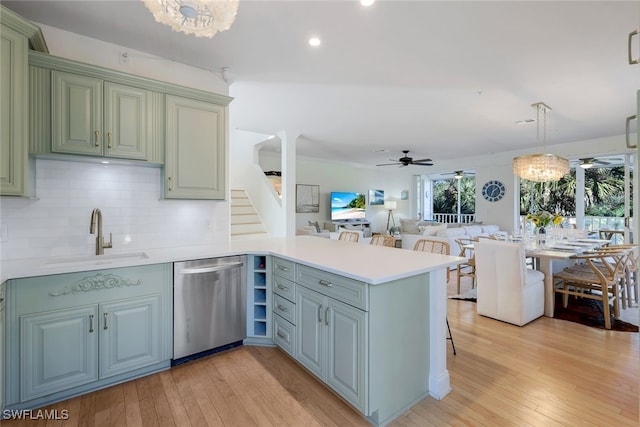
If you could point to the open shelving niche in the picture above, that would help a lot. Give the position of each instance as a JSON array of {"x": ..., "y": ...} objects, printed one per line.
[{"x": 258, "y": 300}]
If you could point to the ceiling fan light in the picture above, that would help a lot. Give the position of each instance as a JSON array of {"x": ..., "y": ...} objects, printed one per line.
[
  {"x": 586, "y": 165},
  {"x": 202, "y": 18}
]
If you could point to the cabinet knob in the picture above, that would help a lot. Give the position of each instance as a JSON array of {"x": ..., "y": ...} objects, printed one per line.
[
  {"x": 320, "y": 313},
  {"x": 282, "y": 308},
  {"x": 97, "y": 138},
  {"x": 109, "y": 140},
  {"x": 90, "y": 323},
  {"x": 105, "y": 317},
  {"x": 169, "y": 184},
  {"x": 282, "y": 288}
]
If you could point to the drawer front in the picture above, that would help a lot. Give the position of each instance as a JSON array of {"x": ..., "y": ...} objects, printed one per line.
[
  {"x": 284, "y": 335},
  {"x": 285, "y": 288},
  {"x": 284, "y": 308},
  {"x": 349, "y": 291},
  {"x": 285, "y": 269}
]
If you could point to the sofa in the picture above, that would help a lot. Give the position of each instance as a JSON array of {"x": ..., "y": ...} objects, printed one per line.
[
  {"x": 446, "y": 232},
  {"x": 315, "y": 229}
]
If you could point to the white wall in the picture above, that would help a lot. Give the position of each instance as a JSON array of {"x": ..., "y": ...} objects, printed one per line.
[
  {"x": 342, "y": 177},
  {"x": 57, "y": 221}
]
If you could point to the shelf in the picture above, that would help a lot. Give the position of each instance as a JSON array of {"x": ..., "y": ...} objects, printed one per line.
[
  {"x": 260, "y": 312},
  {"x": 260, "y": 263},
  {"x": 259, "y": 328},
  {"x": 260, "y": 295},
  {"x": 259, "y": 279}
]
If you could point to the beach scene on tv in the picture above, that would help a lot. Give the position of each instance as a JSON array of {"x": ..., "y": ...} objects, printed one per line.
[{"x": 345, "y": 206}]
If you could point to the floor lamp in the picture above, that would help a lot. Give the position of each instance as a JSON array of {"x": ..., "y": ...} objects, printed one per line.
[{"x": 391, "y": 205}]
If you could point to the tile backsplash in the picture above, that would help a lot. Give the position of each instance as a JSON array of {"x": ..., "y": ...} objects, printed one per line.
[{"x": 56, "y": 221}]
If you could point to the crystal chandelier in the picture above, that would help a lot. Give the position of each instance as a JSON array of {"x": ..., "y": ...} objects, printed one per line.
[
  {"x": 202, "y": 18},
  {"x": 541, "y": 167}
]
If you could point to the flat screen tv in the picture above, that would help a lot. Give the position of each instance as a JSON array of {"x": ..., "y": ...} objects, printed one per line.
[{"x": 348, "y": 206}]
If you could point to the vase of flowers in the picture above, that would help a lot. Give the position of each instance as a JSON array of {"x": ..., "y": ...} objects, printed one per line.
[{"x": 541, "y": 220}]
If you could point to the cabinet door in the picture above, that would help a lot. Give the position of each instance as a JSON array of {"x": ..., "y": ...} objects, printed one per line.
[
  {"x": 310, "y": 320},
  {"x": 76, "y": 124},
  {"x": 58, "y": 350},
  {"x": 195, "y": 149},
  {"x": 127, "y": 111},
  {"x": 14, "y": 113},
  {"x": 346, "y": 345},
  {"x": 130, "y": 335}
]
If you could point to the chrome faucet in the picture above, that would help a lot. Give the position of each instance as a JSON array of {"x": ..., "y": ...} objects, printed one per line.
[{"x": 96, "y": 217}]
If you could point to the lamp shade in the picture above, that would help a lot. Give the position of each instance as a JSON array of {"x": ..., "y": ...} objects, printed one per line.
[{"x": 390, "y": 204}]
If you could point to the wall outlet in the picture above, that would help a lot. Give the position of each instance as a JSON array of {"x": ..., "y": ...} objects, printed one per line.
[{"x": 124, "y": 58}]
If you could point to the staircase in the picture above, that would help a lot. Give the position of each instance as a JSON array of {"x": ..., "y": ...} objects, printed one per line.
[{"x": 245, "y": 222}]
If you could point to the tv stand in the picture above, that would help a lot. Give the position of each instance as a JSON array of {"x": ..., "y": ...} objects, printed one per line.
[{"x": 361, "y": 225}]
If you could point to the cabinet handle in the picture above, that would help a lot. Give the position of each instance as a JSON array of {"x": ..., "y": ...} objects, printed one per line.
[
  {"x": 109, "y": 139},
  {"x": 320, "y": 313},
  {"x": 105, "y": 318},
  {"x": 281, "y": 335},
  {"x": 282, "y": 288},
  {"x": 170, "y": 185},
  {"x": 90, "y": 323},
  {"x": 631, "y": 60},
  {"x": 282, "y": 308},
  {"x": 326, "y": 316},
  {"x": 626, "y": 132},
  {"x": 282, "y": 267},
  {"x": 97, "y": 138},
  {"x": 325, "y": 283}
]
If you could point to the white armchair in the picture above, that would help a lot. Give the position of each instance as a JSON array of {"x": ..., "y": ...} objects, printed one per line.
[{"x": 506, "y": 289}]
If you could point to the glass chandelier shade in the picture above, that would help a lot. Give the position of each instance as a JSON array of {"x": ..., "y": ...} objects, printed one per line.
[
  {"x": 202, "y": 18},
  {"x": 541, "y": 167}
]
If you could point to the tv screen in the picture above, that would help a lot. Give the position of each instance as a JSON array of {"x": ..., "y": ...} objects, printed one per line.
[{"x": 347, "y": 206}]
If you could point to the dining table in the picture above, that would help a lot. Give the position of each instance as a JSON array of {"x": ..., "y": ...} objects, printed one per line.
[{"x": 552, "y": 258}]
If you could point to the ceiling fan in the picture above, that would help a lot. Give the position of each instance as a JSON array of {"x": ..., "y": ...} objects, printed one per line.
[
  {"x": 459, "y": 174},
  {"x": 406, "y": 161},
  {"x": 589, "y": 162}
]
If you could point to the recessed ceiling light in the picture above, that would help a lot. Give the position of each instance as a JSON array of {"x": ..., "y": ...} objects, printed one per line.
[
  {"x": 367, "y": 3},
  {"x": 525, "y": 121},
  {"x": 314, "y": 41},
  {"x": 380, "y": 150},
  {"x": 105, "y": 162}
]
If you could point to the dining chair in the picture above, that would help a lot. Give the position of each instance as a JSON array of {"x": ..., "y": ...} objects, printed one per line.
[
  {"x": 506, "y": 289},
  {"x": 595, "y": 276},
  {"x": 349, "y": 236},
  {"x": 383, "y": 240},
  {"x": 442, "y": 248},
  {"x": 623, "y": 258},
  {"x": 467, "y": 268}
]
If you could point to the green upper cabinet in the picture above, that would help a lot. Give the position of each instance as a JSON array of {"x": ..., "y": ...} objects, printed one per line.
[
  {"x": 98, "y": 118},
  {"x": 195, "y": 149},
  {"x": 16, "y": 36}
]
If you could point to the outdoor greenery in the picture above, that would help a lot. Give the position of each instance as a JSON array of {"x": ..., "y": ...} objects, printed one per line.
[
  {"x": 445, "y": 195},
  {"x": 604, "y": 194}
]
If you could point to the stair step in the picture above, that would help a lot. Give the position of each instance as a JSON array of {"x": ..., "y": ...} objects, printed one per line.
[
  {"x": 247, "y": 228},
  {"x": 245, "y": 219},
  {"x": 243, "y": 210}
]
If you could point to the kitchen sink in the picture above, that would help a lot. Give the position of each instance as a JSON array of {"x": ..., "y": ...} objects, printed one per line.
[{"x": 96, "y": 259}]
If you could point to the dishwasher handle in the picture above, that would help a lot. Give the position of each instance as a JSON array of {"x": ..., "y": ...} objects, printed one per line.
[{"x": 211, "y": 268}]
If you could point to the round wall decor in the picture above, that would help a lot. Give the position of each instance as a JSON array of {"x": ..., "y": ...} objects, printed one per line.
[{"x": 493, "y": 191}]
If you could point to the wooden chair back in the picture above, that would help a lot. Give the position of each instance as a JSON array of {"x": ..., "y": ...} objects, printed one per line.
[
  {"x": 349, "y": 236},
  {"x": 433, "y": 246},
  {"x": 383, "y": 240}
]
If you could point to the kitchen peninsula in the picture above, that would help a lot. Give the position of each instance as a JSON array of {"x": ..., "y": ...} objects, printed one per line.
[{"x": 401, "y": 351}]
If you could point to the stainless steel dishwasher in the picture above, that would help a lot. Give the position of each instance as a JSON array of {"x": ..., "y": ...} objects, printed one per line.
[{"x": 209, "y": 306}]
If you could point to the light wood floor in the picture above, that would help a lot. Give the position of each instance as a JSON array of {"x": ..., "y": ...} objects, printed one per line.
[{"x": 548, "y": 373}]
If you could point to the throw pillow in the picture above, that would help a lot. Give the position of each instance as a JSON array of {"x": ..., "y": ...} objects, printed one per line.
[
  {"x": 315, "y": 224},
  {"x": 432, "y": 230},
  {"x": 409, "y": 226}
]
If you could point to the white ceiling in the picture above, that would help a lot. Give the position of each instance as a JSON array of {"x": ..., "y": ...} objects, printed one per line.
[{"x": 444, "y": 79}]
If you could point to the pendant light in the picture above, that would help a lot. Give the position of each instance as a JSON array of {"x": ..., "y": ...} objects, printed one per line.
[
  {"x": 202, "y": 18},
  {"x": 542, "y": 167}
]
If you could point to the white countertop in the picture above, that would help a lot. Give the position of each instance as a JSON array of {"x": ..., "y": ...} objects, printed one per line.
[{"x": 370, "y": 264}]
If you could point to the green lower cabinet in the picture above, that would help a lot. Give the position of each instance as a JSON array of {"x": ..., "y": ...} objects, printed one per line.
[
  {"x": 59, "y": 351},
  {"x": 332, "y": 343},
  {"x": 129, "y": 335},
  {"x": 68, "y": 334}
]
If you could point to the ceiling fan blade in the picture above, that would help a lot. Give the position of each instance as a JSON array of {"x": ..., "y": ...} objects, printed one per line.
[
  {"x": 422, "y": 164},
  {"x": 600, "y": 162},
  {"x": 422, "y": 160},
  {"x": 389, "y": 164}
]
